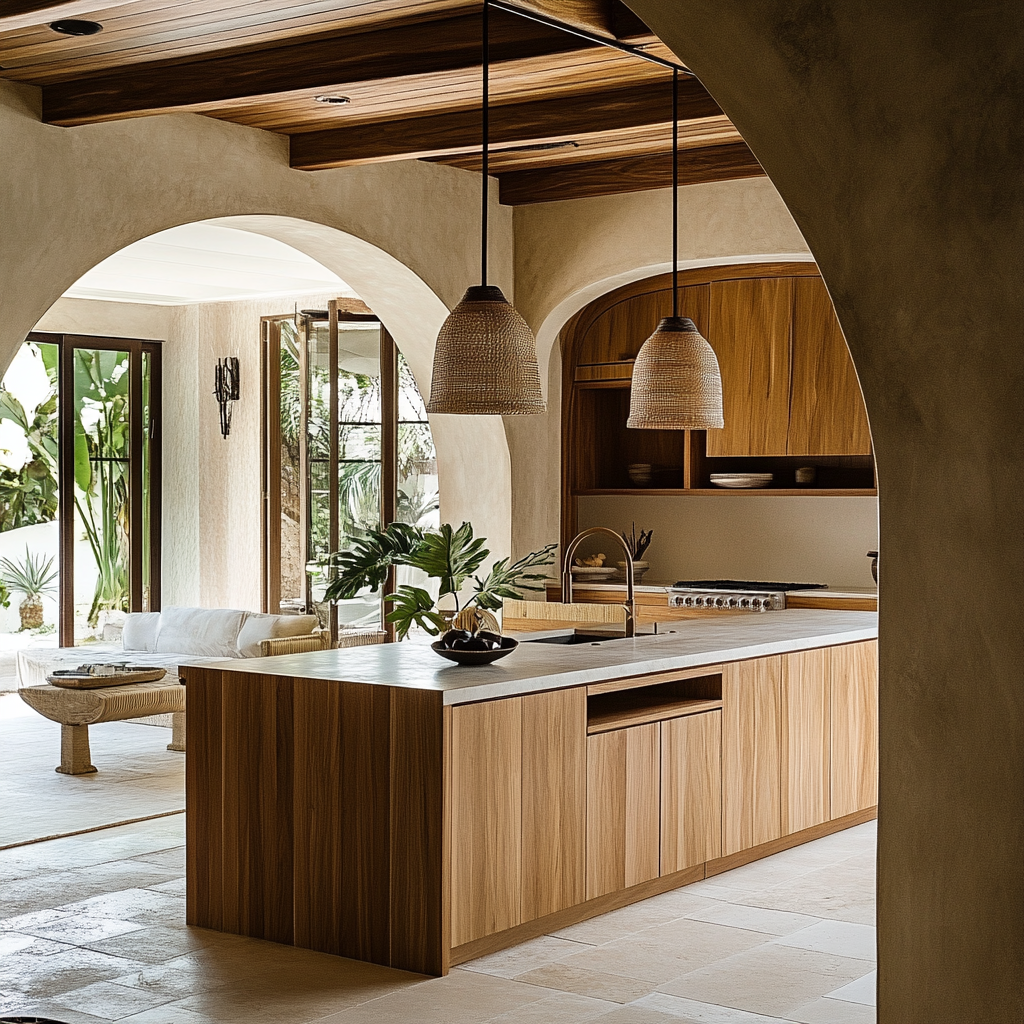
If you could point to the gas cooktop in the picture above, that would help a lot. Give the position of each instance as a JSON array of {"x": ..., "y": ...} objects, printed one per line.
[
  {"x": 746, "y": 585},
  {"x": 734, "y": 595}
]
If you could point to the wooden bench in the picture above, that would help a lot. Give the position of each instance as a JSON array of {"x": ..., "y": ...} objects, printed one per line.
[{"x": 75, "y": 710}]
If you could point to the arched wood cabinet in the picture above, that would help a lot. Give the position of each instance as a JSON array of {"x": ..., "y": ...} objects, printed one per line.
[{"x": 791, "y": 394}]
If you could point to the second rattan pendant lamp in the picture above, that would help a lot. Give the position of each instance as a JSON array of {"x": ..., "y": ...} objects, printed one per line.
[
  {"x": 485, "y": 361},
  {"x": 677, "y": 384}
]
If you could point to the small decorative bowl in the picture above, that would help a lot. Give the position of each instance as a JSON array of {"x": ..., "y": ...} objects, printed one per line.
[{"x": 508, "y": 645}]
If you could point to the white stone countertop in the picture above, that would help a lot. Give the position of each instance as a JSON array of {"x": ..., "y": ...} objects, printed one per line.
[{"x": 534, "y": 667}]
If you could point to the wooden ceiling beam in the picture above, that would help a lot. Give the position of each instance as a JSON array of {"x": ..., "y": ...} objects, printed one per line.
[
  {"x": 20, "y": 14},
  {"x": 449, "y": 44},
  {"x": 630, "y": 174},
  {"x": 560, "y": 118}
]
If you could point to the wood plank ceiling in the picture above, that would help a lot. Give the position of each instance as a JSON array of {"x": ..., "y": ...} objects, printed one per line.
[{"x": 364, "y": 81}]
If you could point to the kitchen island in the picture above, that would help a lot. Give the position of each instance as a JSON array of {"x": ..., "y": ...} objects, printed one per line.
[{"x": 383, "y": 804}]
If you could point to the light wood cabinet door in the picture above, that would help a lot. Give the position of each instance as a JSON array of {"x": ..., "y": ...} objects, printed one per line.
[
  {"x": 827, "y": 414},
  {"x": 751, "y": 753},
  {"x": 854, "y": 727},
  {"x": 486, "y": 818},
  {"x": 749, "y": 329},
  {"x": 806, "y": 739},
  {"x": 623, "y": 808},
  {"x": 691, "y": 791},
  {"x": 554, "y": 801}
]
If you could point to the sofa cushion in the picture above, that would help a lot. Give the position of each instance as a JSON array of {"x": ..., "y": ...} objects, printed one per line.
[
  {"x": 259, "y": 627},
  {"x": 140, "y": 631},
  {"x": 206, "y": 632}
]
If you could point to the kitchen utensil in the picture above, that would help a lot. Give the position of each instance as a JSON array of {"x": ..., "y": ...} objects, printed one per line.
[
  {"x": 805, "y": 475},
  {"x": 873, "y": 555}
]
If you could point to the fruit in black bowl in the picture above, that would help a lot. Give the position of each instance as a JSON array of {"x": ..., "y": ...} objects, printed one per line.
[{"x": 473, "y": 648}]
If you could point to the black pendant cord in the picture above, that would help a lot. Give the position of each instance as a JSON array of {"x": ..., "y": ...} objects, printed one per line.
[
  {"x": 675, "y": 192},
  {"x": 483, "y": 151}
]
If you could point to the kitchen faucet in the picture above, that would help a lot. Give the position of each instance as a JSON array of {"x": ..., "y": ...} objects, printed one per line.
[{"x": 630, "y": 604}]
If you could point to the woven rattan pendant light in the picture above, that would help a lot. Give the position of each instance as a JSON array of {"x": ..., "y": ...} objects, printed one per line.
[
  {"x": 676, "y": 381},
  {"x": 485, "y": 360}
]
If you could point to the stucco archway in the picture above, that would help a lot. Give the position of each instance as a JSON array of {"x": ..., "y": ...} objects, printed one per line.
[{"x": 893, "y": 133}]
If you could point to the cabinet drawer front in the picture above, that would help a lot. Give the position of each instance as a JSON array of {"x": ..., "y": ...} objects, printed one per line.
[
  {"x": 691, "y": 791},
  {"x": 854, "y": 727},
  {"x": 805, "y": 739},
  {"x": 486, "y": 807},
  {"x": 623, "y": 795}
]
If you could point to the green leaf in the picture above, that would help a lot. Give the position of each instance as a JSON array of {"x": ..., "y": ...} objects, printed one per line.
[
  {"x": 451, "y": 556},
  {"x": 366, "y": 563},
  {"x": 83, "y": 468},
  {"x": 413, "y": 604},
  {"x": 506, "y": 580}
]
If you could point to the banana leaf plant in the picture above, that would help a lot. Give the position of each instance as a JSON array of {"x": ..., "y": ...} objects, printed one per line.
[{"x": 447, "y": 554}]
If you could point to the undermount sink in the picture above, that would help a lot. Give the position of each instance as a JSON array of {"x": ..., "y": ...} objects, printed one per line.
[{"x": 577, "y": 637}]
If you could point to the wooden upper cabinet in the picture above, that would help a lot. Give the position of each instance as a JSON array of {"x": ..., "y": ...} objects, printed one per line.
[
  {"x": 827, "y": 414},
  {"x": 750, "y": 332}
]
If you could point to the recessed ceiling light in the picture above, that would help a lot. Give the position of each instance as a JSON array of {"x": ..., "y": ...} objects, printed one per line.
[
  {"x": 332, "y": 99},
  {"x": 74, "y": 27}
]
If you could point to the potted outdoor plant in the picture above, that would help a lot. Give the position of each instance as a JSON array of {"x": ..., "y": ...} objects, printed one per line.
[
  {"x": 35, "y": 578},
  {"x": 447, "y": 554}
]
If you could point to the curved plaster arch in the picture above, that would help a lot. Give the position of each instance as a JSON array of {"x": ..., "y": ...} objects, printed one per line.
[
  {"x": 413, "y": 223},
  {"x": 893, "y": 133}
]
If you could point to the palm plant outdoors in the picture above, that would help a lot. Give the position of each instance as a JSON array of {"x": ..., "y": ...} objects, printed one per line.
[
  {"x": 447, "y": 554},
  {"x": 35, "y": 577}
]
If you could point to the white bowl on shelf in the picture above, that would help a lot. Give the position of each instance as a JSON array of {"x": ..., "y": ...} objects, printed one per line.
[{"x": 741, "y": 481}]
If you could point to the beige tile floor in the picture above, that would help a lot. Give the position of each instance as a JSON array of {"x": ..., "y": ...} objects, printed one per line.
[
  {"x": 138, "y": 776},
  {"x": 91, "y": 930}
]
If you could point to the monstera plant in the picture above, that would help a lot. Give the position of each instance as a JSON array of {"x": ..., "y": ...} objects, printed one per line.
[{"x": 447, "y": 554}]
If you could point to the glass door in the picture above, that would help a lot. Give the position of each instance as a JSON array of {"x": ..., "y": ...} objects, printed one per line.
[
  {"x": 109, "y": 483},
  {"x": 347, "y": 449}
]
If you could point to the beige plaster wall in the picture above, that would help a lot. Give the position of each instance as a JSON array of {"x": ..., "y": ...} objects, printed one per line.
[
  {"x": 569, "y": 253},
  {"x": 894, "y": 134},
  {"x": 753, "y": 537},
  {"x": 404, "y": 235}
]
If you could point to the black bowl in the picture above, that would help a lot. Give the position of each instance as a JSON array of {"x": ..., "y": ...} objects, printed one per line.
[{"x": 508, "y": 645}]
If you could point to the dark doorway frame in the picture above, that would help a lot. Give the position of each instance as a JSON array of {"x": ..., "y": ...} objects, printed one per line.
[{"x": 136, "y": 348}]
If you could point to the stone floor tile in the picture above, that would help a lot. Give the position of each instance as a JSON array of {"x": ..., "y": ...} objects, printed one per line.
[
  {"x": 508, "y": 963},
  {"x": 48, "y": 976},
  {"x": 833, "y": 1011},
  {"x": 81, "y": 929},
  {"x": 461, "y": 998},
  {"x": 754, "y": 919},
  {"x": 33, "y": 945},
  {"x": 770, "y": 979},
  {"x": 840, "y": 937},
  {"x": 126, "y": 904},
  {"x": 176, "y": 979},
  {"x": 175, "y": 887},
  {"x": 615, "y": 988},
  {"x": 171, "y": 858},
  {"x": 863, "y": 990},
  {"x": 617, "y": 923},
  {"x": 107, "y": 1001},
  {"x": 54, "y": 1011},
  {"x": 635, "y": 1013},
  {"x": 152, "y": 944},
  {"x": 679, "y": 1008},
  {"x": 558, "y": 1008}
]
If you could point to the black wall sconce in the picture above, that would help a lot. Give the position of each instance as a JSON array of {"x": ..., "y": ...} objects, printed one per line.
[{"x": 225, "y": 389}]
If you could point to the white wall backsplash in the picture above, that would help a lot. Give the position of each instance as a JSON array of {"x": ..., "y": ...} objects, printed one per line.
[{"x": 785, "y": 539}]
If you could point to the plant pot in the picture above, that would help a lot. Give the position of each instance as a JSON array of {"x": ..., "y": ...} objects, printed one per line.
[
  {"x": 31, "y": 612},
  {"x": 471, "y": 619}
]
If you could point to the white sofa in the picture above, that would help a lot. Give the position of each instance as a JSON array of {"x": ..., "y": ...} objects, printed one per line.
[
  {"x": 165, "y": 640},
  {"x": 170, "y": 637}
]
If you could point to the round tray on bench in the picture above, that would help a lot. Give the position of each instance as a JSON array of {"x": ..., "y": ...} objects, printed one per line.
[{"x": 93, "y": 677}]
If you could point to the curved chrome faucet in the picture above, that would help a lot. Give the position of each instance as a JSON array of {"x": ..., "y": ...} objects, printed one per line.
[{"x": 630, "y": 604}]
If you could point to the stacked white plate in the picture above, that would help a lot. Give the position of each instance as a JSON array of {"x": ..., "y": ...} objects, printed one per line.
[{"x": 741, "y": 480}]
